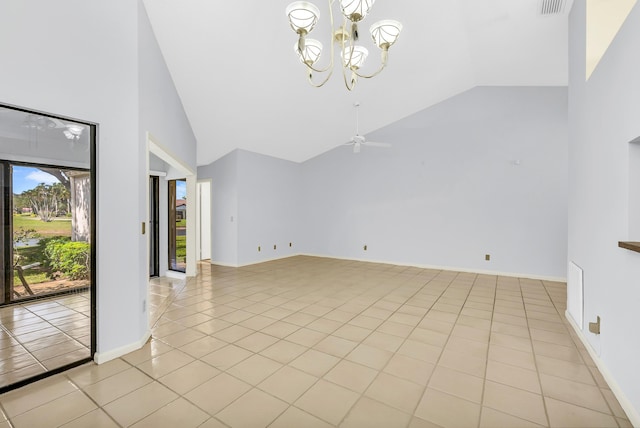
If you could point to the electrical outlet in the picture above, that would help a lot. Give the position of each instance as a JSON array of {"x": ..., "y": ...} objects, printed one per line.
[{"x": 487, "y": 257}]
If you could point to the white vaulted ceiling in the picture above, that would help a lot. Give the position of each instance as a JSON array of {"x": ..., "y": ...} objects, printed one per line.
[{"x": 242, "y": 85}]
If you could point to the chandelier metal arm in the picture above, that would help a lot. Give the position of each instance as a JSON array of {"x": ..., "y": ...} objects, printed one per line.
[
  {"x": 349, "y": 84},
  {"x": 383, "y": 65},
  {"x": 318, "y": 85}
]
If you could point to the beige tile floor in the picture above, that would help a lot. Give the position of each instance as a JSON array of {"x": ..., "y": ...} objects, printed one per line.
[
  {"x": 312, "y": 342},
  {"x": 42, "y": 335}
]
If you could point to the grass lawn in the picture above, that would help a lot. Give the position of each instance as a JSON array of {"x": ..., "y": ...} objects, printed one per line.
[
  {"x": 181, "y": 249},
  {"x": 32, "y": 276},
  {"x": 57, "y": 227}
]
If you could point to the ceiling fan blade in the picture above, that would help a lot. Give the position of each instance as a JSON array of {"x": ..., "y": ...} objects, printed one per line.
[{"x": 375, "y": 144}]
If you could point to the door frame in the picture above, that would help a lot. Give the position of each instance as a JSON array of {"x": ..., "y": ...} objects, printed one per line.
[
  {"x": 93, "y": 145},
  {"x": 154, "y": 225},
  {"x": 178, "y": 170},
  {"x": 201, "y": 219}
]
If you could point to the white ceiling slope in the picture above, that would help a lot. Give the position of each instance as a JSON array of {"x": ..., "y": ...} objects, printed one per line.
[{"x": 242, "y": 85}]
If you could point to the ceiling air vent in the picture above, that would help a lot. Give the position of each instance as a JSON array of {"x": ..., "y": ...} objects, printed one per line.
[{"x": 552, "y": 7}]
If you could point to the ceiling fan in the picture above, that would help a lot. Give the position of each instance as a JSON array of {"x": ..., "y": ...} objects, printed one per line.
[{"x": 357, "y": 141}]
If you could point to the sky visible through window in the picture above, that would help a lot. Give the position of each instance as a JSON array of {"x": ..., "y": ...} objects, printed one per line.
[
  {"x": 181, "y": 189},
  {"x": 27, "y": 178}
]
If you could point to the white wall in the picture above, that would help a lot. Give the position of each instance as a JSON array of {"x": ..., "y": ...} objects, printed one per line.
[
  {"x": 224, "y": 213},
  {"x": 80, "y": 59},
  {"x": 161, "y": 111},
  {"x": 263, "y": 195},
  {"x": 604, "y": 116},
  {"x": 448, "y": 191},
  {"x": 269, "y": 201},
  {"x": 162, "y": 116}
]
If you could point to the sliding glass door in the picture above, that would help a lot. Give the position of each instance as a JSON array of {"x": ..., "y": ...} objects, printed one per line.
[
  {"x": 154, "y": 229},
  {"x": 5, "y": 230},
  {"x": 47, "y": 262},
  {"x": 178, "y": 225}
]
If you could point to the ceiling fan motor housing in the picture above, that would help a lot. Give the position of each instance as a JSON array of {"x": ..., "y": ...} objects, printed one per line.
[{"x": 358, "y": 139}]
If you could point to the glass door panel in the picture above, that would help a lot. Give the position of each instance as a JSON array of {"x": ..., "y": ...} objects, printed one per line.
[
  {"x": 178, "y": 225},
  {"x": 51, "y": 224},
  {"x": 5, "y": 230},
  {"x": 154, "y": 230}
]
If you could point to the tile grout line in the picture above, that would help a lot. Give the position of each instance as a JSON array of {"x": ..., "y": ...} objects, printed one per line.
[
  {"x": 533, "y": 353},
  {"x": 426, "y": 386},
  {"x": 411, "y": 416},
  {"x": 486, "y": 367},
  {"x": 98, "y": 406}
]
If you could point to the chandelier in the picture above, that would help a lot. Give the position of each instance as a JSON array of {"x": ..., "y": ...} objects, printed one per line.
[{"x": 303, "y": 16}]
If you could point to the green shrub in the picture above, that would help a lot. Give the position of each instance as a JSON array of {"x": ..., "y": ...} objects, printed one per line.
[{"x": 69, "y": 258}]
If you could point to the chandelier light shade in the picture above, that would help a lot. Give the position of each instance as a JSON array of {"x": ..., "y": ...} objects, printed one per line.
[
  {"x": 385, "y": 33},
  {"x": 303, "y": 17},
  {"x": 356, "y": 10},
  {"x": 354, "y": 57},
  {"x": 310, "y": 53}
]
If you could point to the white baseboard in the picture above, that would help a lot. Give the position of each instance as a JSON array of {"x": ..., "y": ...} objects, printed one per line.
[
  {"x": 225, "y": 264},
  {"x": 449, "y": 268},
  {"x": 175, "y": 275},
  {"x": 217, "y": 263},
  {"x": 422, "y": 266},
  {"x": 103, "y": 357},
  {"x": 632, "y": 413}
]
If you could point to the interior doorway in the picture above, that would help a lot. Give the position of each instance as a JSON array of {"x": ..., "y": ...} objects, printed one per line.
[{"x": 169, "y": 168}]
